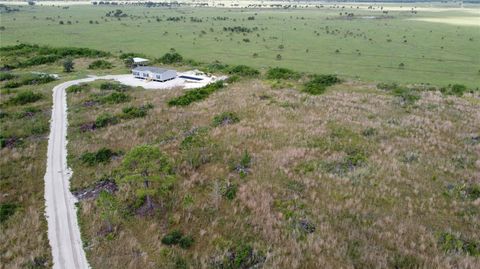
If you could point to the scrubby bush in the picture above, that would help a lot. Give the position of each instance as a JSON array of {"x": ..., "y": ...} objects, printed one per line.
[
  {"x": 112, "y": 98},
  {"x": 177, "y": 238},
  {"x": 452, "y": 244},
  {"x": 216, "y": 67},
  {"x": 282, "y": 73},
  {"x": 6, "y": 211},
  {"x": 244, "y": 71},
  {"x": 170, "y": 58},
  {"x": 195, "y": 94},
  {"x": 186, "y": 241},
  {"x": 29, "y": 79},
  {"x": 319, "y": 83},
  {"x": 105, "y": 119},
  {"x": 455, "y": 89},
  {"x": 387, "y": 86},
  {"x": 6, "y": 76},
  {"x": 407, "y": 96},
  {"x": 100, "y": 64},
  {"x": 136, "y": 112},
  {"x": 225, "y": 118},
  {"x": 25, "y": 97},
  {"x": 103, "y": 155},
  {"x": 78, "y": 88},
  {"x": 114, "y": 87},
  {"x": 172, "y": 238},
  {"x": 39, "y": 60}
]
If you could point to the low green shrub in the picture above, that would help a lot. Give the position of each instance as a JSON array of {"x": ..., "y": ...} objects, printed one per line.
[
  {"x": 387, "y": 86},
  {"x": 25, "y": 97},
  {"x": 103, "y": 155},
  {"x": 216, "y": 67},
  {"x": 6, "y": 211},
  {"x": 172, "y": 238},
  {"x": 170, "y": 58},
  {"x": 455, "y": 89},
  {"x": 243, "y": 71},
  {"x": 100, "y": 64},
  {"x": 225, "y": 118},
  {"x": 39, "y": 60},
  {"x": 131, "y": 112},
  {"x": 106, "y": 86},
  {"x": 407, "y": 96},
  {"x": 282, "y": 73},
  {"x": 186, "y": 241},
  {"x": 78, "y": 88},
  {"x": 452, "y": 244},
  {"x": 30, "y": 79},
  {"x": 112, "y": 98},
  {"x": 6, "y": 76},
  {"x": 319, "y": 83},
  {"x": 176, "y": 237},
  {"x": 105, "y": 119},
  {"x": 229, "y": 191},
  {"x": 196, "y": 94}
]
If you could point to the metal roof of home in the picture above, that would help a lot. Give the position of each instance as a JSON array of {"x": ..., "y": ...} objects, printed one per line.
[
  {"x": 139, "y": 60},
  {"x": 152, "y": 69}
]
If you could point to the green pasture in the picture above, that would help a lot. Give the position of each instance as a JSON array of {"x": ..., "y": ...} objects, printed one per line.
[{"x": 389, "y": 49}]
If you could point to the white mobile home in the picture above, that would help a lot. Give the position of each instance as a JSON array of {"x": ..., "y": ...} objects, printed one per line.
[{"x": 153, "y": 73}]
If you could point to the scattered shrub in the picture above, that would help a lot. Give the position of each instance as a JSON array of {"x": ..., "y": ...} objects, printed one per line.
[
  {"x": 100, "y": 64},
  {"x": 387, "y": 86},
  {"x": 452, "y": 244},
  {"x": 25, "y": 97},
  {"x": 455, "y": 89},
  {"x": 282, "y": 73},
  {"x": 171, "y": 58},
  {"x": 243, "y": 71},
  {"x": 136, "y": 112},
  {"x": 229, "y": 191},
  {"x": 225, "y": 118},
  {"x": 103, "y": 155},
  {"x": 186, "y": 242},
  {"x": 114, "y": 87},
  {"x": 177, "y": 238},
  {"x": 407, "y": 96},
  {"x": 112, "y": 98},
  {"x": 30, "y": 79},
  {"x": 319, "y": 83},
  {"x": 196, "y": 94},
  {"x": 105, "y": 119},
  {"x": 6, "y": 76},
  {"x": 172, "y": 238},
  {"x": 6, "y": 211},
  {"x": 78, "y": 88}
]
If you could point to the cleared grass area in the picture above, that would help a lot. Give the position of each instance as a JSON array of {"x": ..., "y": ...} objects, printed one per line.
[
  {"x": 356, "y": 176},
  {"x": 369, "y": 45}
]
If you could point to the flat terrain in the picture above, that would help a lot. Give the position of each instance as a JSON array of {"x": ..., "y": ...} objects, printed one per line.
[{"x": 370, "y": 45}]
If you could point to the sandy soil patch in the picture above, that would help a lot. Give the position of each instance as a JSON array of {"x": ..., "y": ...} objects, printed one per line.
[
  {"x": 463, "y": 21},
  {"x": 177, "y": 82}
]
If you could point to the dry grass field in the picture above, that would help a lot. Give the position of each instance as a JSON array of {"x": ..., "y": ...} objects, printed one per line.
[{"x": 353, "y": 178}]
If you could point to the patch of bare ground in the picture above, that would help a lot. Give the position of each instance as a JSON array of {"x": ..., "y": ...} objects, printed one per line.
[{"x": 350, "y": 178}]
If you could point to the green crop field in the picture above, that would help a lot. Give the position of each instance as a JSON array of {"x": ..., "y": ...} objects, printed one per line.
[{"x": 370, "y": 46}]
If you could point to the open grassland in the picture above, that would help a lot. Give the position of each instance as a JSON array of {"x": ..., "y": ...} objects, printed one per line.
[
  {"x": 369, "y": 45},
  {"x": 259, "y": 173}
]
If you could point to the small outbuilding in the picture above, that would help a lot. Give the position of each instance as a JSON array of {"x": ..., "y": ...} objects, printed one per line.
[
  {"x": 137, "y": 61},
  {"x": 153, "y": 73}
]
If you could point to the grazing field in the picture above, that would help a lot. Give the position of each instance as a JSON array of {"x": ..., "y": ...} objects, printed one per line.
[{"x": 371, "y": 45}]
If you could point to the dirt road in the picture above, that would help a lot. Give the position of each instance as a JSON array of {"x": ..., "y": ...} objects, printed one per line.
[{"x": 63, "y": 230}]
